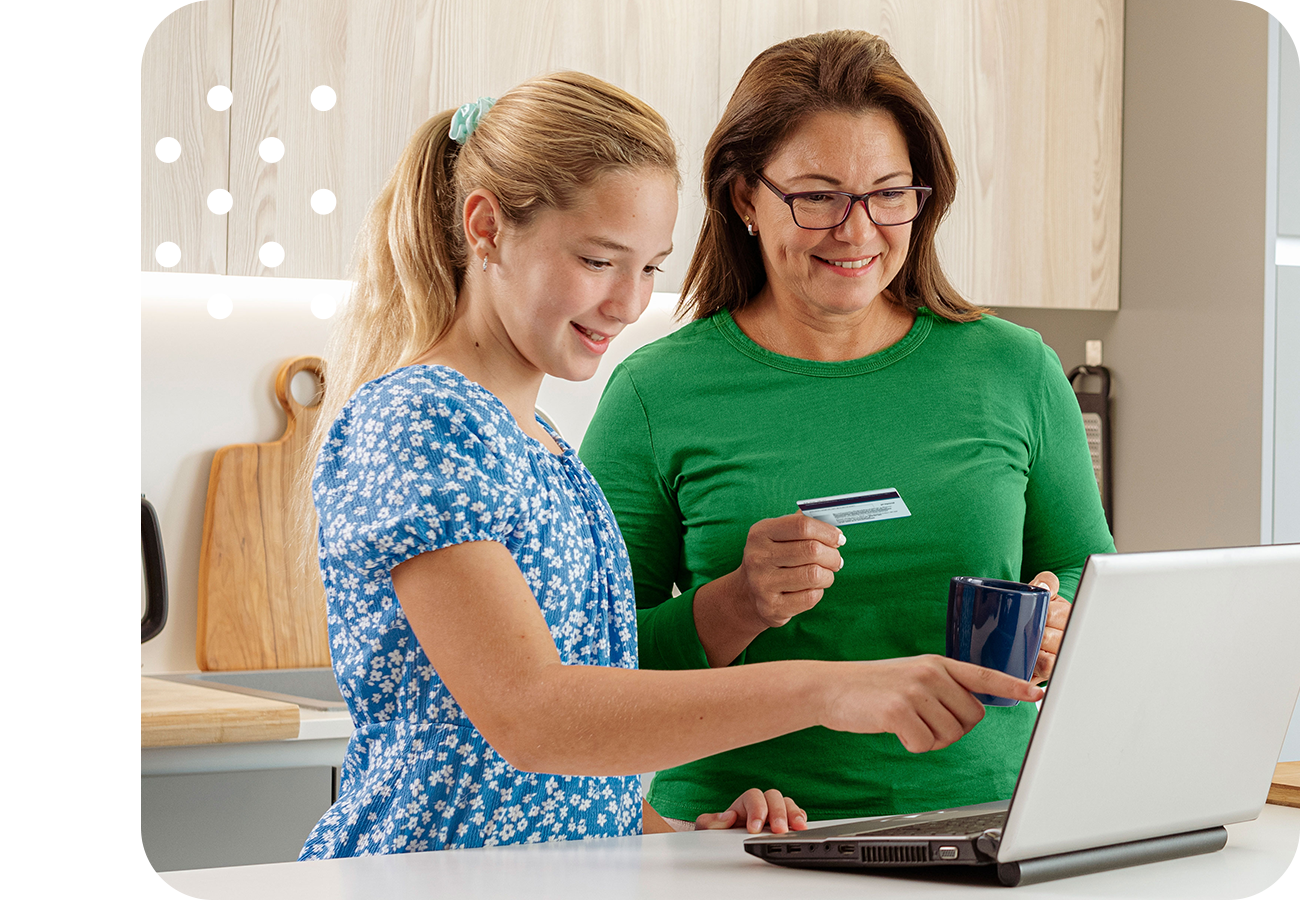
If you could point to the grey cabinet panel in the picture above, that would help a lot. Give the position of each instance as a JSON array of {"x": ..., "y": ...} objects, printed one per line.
[
  {"x": 231, "y": 818},
  {"x": 1286, "y": 413},
  {"x": 1288, "y": 138}
]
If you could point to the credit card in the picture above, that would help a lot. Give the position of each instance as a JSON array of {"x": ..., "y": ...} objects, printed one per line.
[{"x": 854, "y": 509}]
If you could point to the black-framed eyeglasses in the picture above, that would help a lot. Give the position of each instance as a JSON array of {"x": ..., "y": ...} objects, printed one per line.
[{"x": 823, "y": 210}]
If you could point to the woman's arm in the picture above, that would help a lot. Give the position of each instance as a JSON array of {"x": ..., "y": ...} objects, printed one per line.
[
  {"x": 1064, "y": 520},
  {"x": 618, "y": 449},
  {"x": 788, "y": 561},
  {"x": 788, "y": 564},
  {"x": 483, "y": 632}
]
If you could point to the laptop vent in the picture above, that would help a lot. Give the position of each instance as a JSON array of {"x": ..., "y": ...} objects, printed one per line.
[{"x": 897, "y": 853}]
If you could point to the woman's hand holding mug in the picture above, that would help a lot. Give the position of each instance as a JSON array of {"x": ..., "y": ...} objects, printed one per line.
[{"x": 1058, "y": 613}]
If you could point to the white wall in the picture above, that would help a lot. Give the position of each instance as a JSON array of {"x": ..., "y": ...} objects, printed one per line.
[{"x": 205, "y": 383}]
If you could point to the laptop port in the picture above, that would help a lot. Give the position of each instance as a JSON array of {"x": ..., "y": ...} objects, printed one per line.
[
  {"x": 794, "y": 848},
  {"x": 774, "y": 849},
  {"x": 947, "y": 853},
  {"x": 848, "y": 849}
]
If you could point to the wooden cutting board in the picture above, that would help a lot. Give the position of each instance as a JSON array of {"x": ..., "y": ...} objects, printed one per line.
[
  {"x": 174, "y": 714},
  {"x": 1285, "y": 790},
  {"x": 259, "y": 607}
]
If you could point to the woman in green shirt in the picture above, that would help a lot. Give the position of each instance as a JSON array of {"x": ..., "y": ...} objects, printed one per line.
[{"x": 829, "y": 355}]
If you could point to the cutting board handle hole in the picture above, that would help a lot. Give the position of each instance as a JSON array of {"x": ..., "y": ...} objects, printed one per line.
[{"x": 306, "y": 388}]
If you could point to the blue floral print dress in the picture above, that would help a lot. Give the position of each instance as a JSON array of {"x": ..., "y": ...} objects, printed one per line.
[{"x": 421, "y": 459}]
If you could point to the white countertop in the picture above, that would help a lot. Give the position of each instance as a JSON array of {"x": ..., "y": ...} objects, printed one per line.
[
  {"x": 323, "y": 724},
  {"x": 712, "y": 864}
]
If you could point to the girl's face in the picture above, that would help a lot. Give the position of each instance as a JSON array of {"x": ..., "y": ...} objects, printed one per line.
[
  {"x": 573, "y": 279},
  {"x": 840, "y": 270}
]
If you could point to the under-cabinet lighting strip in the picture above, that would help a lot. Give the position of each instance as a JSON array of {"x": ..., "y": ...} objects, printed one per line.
[
  {"x": 1288, "y": 251},
  {"x": 321, "y": 293},
  {"x": 193, "y": 286}
]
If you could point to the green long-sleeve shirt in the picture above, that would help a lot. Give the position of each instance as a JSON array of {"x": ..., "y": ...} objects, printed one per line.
[{"x": 704, "y": 432}]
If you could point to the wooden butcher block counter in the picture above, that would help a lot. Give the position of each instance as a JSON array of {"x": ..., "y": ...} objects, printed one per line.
[
  {"x": 1285, "y": 790},
  {"x": 174, "y": 714}
]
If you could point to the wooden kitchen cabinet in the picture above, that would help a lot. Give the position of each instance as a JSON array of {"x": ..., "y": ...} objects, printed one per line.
[
  {"x": 186, "y": 56},
  {"x": 663, "y": 51},
  {"x": 364, "y": 50},
  {"x": 272, "y": 54},
  {"x": 1029, "y": 93}
]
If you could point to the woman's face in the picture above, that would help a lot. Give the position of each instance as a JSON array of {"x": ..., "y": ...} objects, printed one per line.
[
  {"x": 573, "y": 279},
  {"x": 841, "y": 270}
]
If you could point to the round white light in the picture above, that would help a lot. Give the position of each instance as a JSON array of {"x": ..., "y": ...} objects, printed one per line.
[
  {"x": 271, "y": 150},
  {"x": 271, "y": 254},
  {"x": 168, "y": 149},
  {"x": 220, "y": 306},
  {"x": 220, "y": 201},
  {"x": 324, "y": 201},
  {"x": 168, "y": 254},
  {"x": 220, "y": 98},
  {"x": 324, "y": 305},
  {"x": 323, "y": 97}
]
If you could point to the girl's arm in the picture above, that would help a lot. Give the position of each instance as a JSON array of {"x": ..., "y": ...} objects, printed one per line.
[{"x": 482, "y": 630}]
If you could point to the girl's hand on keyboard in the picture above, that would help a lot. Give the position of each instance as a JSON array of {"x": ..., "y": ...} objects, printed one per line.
[{"x": 753, "y": 808}]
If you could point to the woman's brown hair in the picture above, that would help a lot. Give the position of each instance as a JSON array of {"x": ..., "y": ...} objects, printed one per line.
[{"x": 849, "y": 71}]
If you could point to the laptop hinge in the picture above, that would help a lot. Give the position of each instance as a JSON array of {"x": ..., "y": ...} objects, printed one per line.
[{"x": 1116, "y": 856}]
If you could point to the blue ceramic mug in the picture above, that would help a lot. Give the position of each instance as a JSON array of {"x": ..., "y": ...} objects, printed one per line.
[{"x": 997, "y": 625}]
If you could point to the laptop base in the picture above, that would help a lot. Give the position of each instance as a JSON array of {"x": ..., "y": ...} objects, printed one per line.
[
  {"x": 1116, "y": 856},
  {"x": 848, "y": 852}
]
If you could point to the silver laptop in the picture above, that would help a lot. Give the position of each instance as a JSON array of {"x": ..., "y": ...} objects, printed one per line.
[{"x": 1163, "y": 722}]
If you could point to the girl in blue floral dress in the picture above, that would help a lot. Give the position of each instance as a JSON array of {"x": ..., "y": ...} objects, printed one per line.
[{"x": 481, "y": 617}]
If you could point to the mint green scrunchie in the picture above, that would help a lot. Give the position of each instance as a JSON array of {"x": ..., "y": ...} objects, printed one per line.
[{"x": 466, "y": 118}]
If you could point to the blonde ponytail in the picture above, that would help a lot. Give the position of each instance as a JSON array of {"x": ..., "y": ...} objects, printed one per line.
[
  {"x": 539, "y": 146},
  {"x": 407, "y": 272}
]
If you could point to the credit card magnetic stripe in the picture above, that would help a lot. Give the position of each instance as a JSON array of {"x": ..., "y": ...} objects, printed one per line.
[
  {"x": 854, "y": 509},
  {"x": 847, "y": 500}
]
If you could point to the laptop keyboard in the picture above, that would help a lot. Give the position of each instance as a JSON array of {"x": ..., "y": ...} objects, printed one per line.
[{"x": 959, "y": 825}]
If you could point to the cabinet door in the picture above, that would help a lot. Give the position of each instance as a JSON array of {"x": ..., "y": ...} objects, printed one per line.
[
  {"x": 1029, "y": 94},
  {"x": 362, "y": 51},
  {"x": 187, "y": 55},
  {"x": 241, "y": 818},
  {"x": 663, "y": 51}
]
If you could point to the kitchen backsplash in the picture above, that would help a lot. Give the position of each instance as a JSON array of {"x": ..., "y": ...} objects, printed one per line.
[{"x": 207, "y": 382}]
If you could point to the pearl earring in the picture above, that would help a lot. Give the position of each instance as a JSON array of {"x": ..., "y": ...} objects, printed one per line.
[{"x": 749, "y": 226}]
